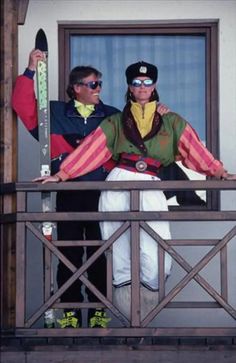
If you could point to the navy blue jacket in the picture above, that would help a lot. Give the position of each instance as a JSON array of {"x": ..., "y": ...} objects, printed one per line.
[{"x": 68, "y": 127}]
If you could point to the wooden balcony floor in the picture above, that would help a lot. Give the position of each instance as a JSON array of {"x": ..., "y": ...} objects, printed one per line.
[{"x": 125, "y": 350}]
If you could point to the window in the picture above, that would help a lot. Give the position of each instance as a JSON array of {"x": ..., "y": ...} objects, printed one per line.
[{"x": 186, "y": 57}]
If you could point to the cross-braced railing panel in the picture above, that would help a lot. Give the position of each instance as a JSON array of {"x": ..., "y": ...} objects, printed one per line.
[
  {"x": 134, "y": 220},
  {"x": 192, "y": 272},
  {"x": 77, "y": 273}
]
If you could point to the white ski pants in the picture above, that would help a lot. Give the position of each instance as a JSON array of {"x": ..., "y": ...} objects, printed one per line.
[{"x": 153, "y": 200}]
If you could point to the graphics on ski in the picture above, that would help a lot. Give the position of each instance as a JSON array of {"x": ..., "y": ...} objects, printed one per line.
[
  {"x": 43, "y": 107},
  {"x": 45, "y": 163}
]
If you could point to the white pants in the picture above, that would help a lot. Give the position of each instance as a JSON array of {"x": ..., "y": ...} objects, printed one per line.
[{"x": 153, "y": 200}]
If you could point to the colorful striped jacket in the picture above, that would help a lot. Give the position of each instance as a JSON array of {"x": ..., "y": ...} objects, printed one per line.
[{"x": 176, "y": 140}]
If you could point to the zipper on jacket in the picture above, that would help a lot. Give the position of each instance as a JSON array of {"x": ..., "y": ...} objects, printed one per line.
[
  {"x": 85, "y": 120},
  {"x": 143, "y": 112}
]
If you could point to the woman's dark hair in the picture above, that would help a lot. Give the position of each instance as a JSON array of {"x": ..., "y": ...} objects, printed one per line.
[
  {"x": 130, "y": 97},
  {"x": 77, "y": 75}
]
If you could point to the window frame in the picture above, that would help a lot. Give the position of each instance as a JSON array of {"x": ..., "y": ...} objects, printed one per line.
[{"x": 207, "y": 28}]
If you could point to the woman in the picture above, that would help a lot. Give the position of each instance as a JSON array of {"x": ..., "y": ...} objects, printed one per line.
[{"x": 141, "y": 140}]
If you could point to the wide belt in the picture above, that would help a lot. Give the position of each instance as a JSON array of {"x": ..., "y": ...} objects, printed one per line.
[{"x": 140, "y": 164}]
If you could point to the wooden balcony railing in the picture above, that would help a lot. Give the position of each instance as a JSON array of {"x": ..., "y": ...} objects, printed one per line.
[{"x": 27, "y": 220}]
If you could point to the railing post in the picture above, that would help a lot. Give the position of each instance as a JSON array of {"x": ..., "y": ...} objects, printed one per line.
[
  {"x": 224, "y": 273},
  {"x": 135, "y": 261},
  {"x": 20, "y": 263}
]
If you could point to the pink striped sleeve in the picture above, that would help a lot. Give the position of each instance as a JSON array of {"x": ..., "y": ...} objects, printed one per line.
[
  {"x": 195, "y": 156},
  {"x": 87, "y": 157}
]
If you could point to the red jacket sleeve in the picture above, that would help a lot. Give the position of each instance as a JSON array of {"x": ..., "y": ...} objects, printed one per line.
[{"x": 24, "y": 102}]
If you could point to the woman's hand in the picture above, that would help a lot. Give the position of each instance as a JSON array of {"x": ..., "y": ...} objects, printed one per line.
[
  {"x": 230, "y": 177},
  {"x": 48, "y": 179}
]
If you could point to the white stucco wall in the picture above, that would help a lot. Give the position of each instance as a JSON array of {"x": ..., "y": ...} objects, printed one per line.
[{"x": 47, "y": 13}]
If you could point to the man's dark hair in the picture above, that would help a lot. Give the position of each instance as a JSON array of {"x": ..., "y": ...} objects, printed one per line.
[{"x": 77, "y": 75}]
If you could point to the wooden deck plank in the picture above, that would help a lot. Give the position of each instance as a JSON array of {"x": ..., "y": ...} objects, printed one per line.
[{"x": 123, "y": 355}]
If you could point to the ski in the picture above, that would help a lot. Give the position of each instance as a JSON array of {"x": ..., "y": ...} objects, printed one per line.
[
  {"x": 45, "y": 164},
  {"x": 43, "y": 106}
]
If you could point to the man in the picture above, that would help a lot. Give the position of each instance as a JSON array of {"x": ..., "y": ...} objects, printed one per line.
[{"x": 70, "y": 123}]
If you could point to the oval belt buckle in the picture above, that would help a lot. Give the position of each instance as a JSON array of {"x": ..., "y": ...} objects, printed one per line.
[{"x": 141, "y": 165}]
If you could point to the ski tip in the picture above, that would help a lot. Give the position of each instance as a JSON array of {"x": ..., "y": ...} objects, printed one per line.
[{"x": 41, "y": 41}]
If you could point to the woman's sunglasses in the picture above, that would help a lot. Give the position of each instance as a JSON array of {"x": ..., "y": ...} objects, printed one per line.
[
  {"x": 91, "y": 84},
  {"x": 139, "y": 82}
]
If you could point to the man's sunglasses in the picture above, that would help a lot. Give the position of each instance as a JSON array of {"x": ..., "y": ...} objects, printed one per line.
[
  {"x": 91, "y": 84},
  {"x": 139, "y": 82}
]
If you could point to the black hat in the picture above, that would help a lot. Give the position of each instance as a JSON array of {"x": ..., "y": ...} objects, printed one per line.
[{"x": 141, "y": 69}]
